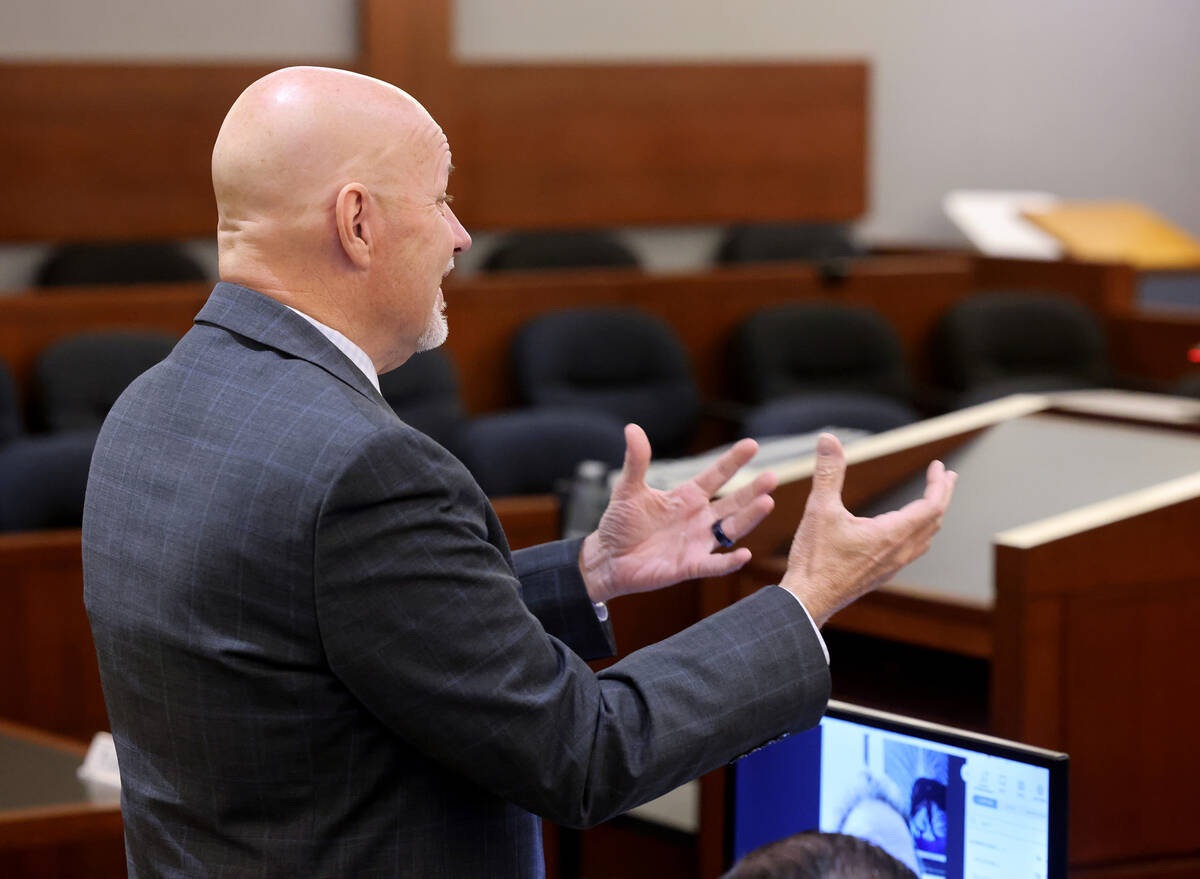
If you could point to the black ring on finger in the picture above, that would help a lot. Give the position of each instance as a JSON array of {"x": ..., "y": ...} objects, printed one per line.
[{"x": 719, "y": 534}]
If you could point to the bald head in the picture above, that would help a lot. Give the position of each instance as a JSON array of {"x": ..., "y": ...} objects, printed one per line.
[
  {"x": 297, "y": 133},
  {"x": 322, "y": 178}
]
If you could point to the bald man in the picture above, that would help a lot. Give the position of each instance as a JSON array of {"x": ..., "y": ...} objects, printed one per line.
[{"x": 318, "y": 654}]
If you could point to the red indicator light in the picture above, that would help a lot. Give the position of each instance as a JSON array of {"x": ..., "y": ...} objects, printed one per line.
[{"x": 1194, "y": 354}]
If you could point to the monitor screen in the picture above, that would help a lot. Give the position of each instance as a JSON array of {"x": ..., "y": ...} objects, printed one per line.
[{"x": 947, "y": 802}]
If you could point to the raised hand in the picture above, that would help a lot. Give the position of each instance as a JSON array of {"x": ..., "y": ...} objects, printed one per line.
[
  {"x": 648, "y": 539},
  {"x": 837, "y": 557}
]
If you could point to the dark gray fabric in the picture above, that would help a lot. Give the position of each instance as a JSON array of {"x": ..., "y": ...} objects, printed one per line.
[
  {"x": 559, "y": 250},
  {"x": 11, "y": 422},
  {"x": 42, "y": 480},
  {"x": 805, "y": 413},
  {"x": 780, "y": 242},
  {"x": 528, "y": 451},
  {"x": 1026, "y": 341},
  {"x": 622, "y": 361},
  {"x": 318, "y": 659},
  {"x": 817, "y": 347},
  {"x": 424, "y": 393},
  {"x": 139, "y": 262}
]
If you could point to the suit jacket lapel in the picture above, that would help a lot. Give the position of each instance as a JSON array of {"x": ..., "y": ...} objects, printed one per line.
[{"x": 249, "y": 313}]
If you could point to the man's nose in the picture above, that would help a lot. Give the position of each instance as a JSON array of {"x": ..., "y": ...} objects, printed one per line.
[{"x": 462, "y": 238}]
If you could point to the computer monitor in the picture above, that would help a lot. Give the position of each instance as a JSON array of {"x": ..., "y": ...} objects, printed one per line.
[{"x": 947, "y": 802}]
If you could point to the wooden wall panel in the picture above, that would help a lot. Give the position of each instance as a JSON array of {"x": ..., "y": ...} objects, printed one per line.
[
  {"x": 51, "y": 679},
  {"x": 1097, "y": 642},
  {"x": 108, "y": 152},
  {"x": 121, "y": 152},
  {"x": 1154, "y": 344},
  {"x": 540, "y": 146}
]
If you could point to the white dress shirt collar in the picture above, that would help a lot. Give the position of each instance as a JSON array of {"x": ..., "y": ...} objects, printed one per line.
[{"x": 357, "y": 355}]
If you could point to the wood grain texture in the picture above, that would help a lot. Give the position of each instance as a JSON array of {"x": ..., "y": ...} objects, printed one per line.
[
  {"x": 595, "y": 145},
  {"x": 112, "y": 152},
  {"x": 1103, "y": 287},
  {"x": 1152, "y": 344},
  {"x": 51, "y": 678},
  {"x": 1097, "y": 642}
]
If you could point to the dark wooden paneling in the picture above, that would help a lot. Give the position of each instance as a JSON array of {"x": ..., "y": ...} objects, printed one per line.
[
  {"x": 31, "y": 322},
  {"x": 1103, "y": 287},
  {"x": 112, "y": 152},
  {"x": 539, "y": 145},
  {"x": 1097, "y": 642},
  {"x": 122, "y": 151},
  {"x": 1152, "y": 344},
  {"x": 51, "y": 680}
]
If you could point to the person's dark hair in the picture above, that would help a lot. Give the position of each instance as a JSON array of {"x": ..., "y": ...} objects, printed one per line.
[
  {"x": 815, "y": 855},
  {"x": 927, "y": 790}
]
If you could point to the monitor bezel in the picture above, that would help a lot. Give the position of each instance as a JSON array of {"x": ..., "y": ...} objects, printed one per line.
[{"x": 1056, "y": 762}]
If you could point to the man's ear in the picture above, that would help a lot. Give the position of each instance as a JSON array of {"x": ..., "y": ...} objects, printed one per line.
[{"x": 354, "y": 230}]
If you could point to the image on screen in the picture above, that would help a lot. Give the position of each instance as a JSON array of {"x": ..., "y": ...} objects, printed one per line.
[{"x": 945, "y": 810}]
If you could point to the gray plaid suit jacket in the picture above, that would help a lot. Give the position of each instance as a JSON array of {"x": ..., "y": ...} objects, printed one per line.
[{"x": 320, "y": 658}]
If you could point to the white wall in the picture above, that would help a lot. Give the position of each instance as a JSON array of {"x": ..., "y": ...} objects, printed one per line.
[{"x": 179, "y": 30}]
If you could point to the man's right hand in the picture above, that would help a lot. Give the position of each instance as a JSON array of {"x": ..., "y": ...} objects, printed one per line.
[{"x": 837, "y": 557}]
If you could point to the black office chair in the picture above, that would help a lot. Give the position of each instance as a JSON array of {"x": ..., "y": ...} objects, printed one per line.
[
  {"x": 1189, "y": 386},
  {"x": 621, "y": 361},
  {"x": 1007, "y": 342},
  {"x": 424, "y": 393},
  {"x": 77, "y": 379},
  {"x": 118, "y": 263},
  {"x": 828, "y": 245},
  {"x": 559, "y": 250},
  {"x": 43, "y": 479},
  {"x": 531, "y": 451},
  {"x": 10, "y": 407},
  {"x": 811, "y": 365}
]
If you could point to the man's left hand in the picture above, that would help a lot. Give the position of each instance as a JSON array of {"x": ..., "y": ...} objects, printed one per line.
[{"x": 648, "y": 539}]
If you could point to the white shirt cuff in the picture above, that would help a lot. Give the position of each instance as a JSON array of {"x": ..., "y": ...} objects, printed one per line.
[{"x": 824, "y": 649}]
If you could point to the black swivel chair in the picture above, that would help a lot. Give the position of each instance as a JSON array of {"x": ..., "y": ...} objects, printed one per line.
[
  {"x": 1189, "y": 386},
  {"x": 424, "y": 393},
  {"x": 828, "y": 246},
  {"x": 78, "y": 378},
  {"x": 118, "y": 263},
  {"x": 10, "y": 407},
  {"x": 806, "y": 366},
  {"x": 620, "y": 361},
  {"x": 531, "y": 451},
  {"x": 43, "y": 479},
  {"x": 527, "y": 251},
  {"x": 1007, "y": 342}
]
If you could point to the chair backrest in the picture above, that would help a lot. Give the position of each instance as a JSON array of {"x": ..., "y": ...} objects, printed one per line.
[
  {"x": 78, "y": 378},
  {"x": 805, "y": 413},
  {"x": 118, "y": 263},
  {"x": 559, "y": 250},
  {"x": 622, "y": 361},
  {"x": 1004, "y": 337},
  {"x": 818, "y": 347},
  {"x": 43, "y": 479},
  {"x": 778, "y": 242},
  {"x": 1188, "y": 386},
  {"x": 528, "y": 451},
  {"x": 424, "y": 393},
  {"x": 10, "y": 407}
]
